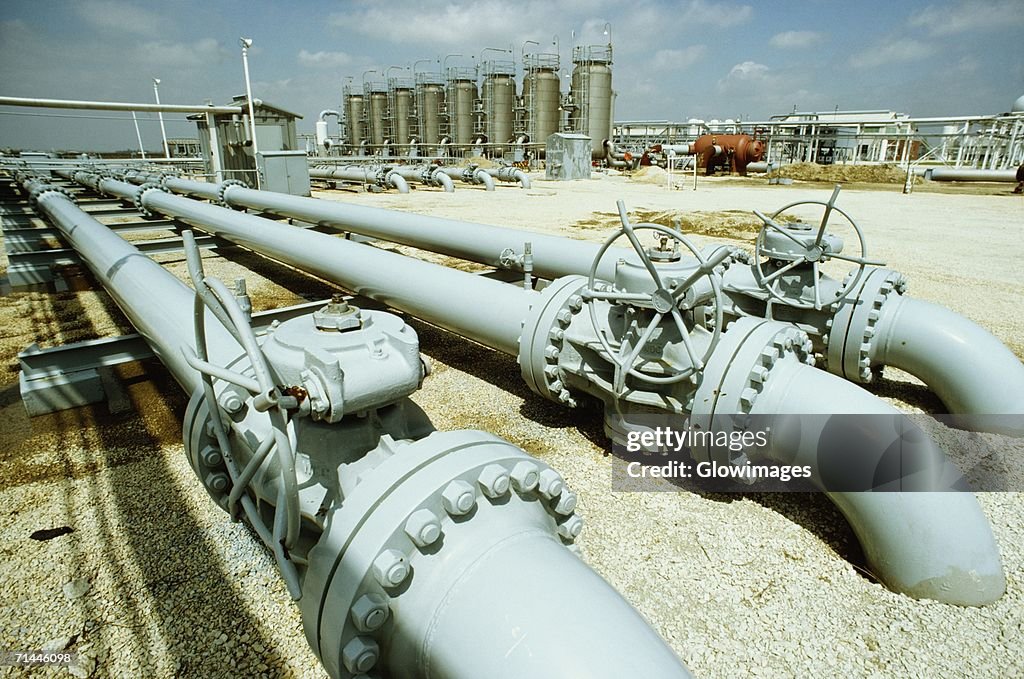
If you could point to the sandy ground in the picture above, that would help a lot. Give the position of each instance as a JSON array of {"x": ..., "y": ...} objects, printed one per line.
[{"x": 745, "y": 584}]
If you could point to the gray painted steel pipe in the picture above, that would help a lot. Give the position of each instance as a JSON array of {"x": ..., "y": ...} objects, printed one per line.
[
  {"x": 459, "y": 620},
  {"x": 958, "y": 563},
  {"x": 466, "y": 240},
  {"x": 363, "y": 175},
  {"x": 428, "y": 176},
  {"x": 929, "y": 545},
  {"x": 134, "y": 281},
  {"x": 975, "y": 351},
  {"x": 116, "y": 105},
  {"x": 482, "y": 309},
  {"x": 476, "y": 175},
  {"x": 957, "y": 174},
  {"x": 510, "y": 174},
  {"x": 936, "y": 345}
]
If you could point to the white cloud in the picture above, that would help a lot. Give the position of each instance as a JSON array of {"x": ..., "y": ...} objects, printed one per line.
[
  {"x": 968, "y": 16},
  {"x": 895, "y": 51},
  {"x": 747, "y": 71},
  {"x": 796, "y": 39},
  {"x": 674, "y": 60},
  {"x": 119, "y": 16},
  {"x": 721, "y": 14},
  {"x": 324, "y": 59},
  {"x": 454, "y": 25},
  {"x": 174, "y": 55}
]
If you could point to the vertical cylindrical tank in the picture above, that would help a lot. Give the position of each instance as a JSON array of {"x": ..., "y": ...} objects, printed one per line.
[
  {"x": 541, "y": 95},
  {"x": 430, "y": 104},
  {"x": 461, "y": 99},
  {"x": 355, "y": 125},
  {"x": 402, "y": 112},
  {"x": 376, "y": 113},
  {"x": 499, "y": 96},
  {"x": 592, "y": 94}
]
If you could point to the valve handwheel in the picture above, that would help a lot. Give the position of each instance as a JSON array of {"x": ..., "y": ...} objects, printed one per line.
[
  {"x": 813, "y": 253},
  {"x": 663, "y": 300}
]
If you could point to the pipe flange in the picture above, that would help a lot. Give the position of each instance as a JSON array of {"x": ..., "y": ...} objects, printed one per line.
[
  {"x": 381, "y": 177},
  {"x": 137, "y": 198},
  {"x": 850, "y": 333},
  {"x": 40, "y": 191},
  {"x": 543, "y": 336},
  {"x": 434, "y": 494},
  {"x": 735, "y": 377},
  {"x": 222, "y": 192}
]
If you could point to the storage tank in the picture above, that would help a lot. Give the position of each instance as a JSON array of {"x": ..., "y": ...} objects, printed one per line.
[
  {"x": 498, "y": 93},
  {"x": 402, "y": 112},
  {"x": 355, "y": 125},
  {"x": 541, "y": 95},
  {"x": 461, "y": 98},
  {"x": 592, "y": 94},
  {"x": 376, "y": 113},
  {"x": 695, "y": 127},
  {"x": 430, "y": 104}
]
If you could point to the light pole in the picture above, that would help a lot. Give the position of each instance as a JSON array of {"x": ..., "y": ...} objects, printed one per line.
[
  {"x": 138, "y": 135},
  {"x": 160, "y": 115},
  {"x": 246, "y": 44}
]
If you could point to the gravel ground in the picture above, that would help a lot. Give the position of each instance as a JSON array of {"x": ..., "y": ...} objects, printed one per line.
[{"x": 154, "y": 581}]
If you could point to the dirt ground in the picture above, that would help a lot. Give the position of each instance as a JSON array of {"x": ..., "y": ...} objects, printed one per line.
[{"x": 756, "y": 584}]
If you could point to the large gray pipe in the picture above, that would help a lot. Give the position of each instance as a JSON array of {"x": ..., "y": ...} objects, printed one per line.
[
  {"x": 951, "y": 369},
  {"x": 482, "y": 309},
  {"x": 929, "y": 545},
  {"x": 428, "y": 176},
  {"x": 134, "y": 281},
  {"x": 460, "y": 623},
  {"x": 363, "y": 175},
  {"x": 962, "y": 362},
  {"x": 510, "y": 174},
  {"x": 958, "y": 562},
  {"x": 958, "y": 174},
  {"x": 116, "y": 105},
  {"x": 475, "y": 175}
]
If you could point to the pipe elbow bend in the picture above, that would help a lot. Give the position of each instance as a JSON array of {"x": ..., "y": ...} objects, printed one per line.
[
  {"x": 959, "y": 360},
  {"x": 397, "y": 182},
  {"x": 483, "y": 177}
]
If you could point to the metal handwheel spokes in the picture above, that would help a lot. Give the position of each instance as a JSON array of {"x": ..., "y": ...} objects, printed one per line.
[
  {"x": 804, "y": 252},
  {"x": 663, "y": 301},
  {"x": 212, "y": 294}
]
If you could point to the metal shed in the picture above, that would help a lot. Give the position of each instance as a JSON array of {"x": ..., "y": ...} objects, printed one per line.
[
  {"x": 234, "y": 159},
  {"x": 567, "y": 156}
]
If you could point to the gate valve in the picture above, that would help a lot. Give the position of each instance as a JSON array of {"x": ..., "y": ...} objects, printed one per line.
[
  {"x": 799, "y": 245},
  {"x": 664, "y": 299}
]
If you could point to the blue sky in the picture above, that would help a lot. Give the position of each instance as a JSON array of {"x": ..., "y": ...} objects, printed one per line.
[{"x": 672, "y": 60}]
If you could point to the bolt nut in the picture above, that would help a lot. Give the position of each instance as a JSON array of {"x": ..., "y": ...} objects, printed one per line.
[
  {"x": 369, "y": 612},
  {"x": 525, "y": 476},
  {"x": 458, "y": 498},
  {"x": 211, "y": 456},
  {"x": 551, "y": 353},
  {"x": 494, "y": 480},
  {"x": 423, "y": 527},
  {"x": 390, "y": 568},
  {"x": 566, "y": 504},
  {"x": 231, "y": 402},
  {"x": 563, "y": 317},
  {"x": 571, "y": 528},
  {"x": 550, "y": 483},
  {"x": 360, "y": 654},
  {"x": 217, "y": 482}
]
